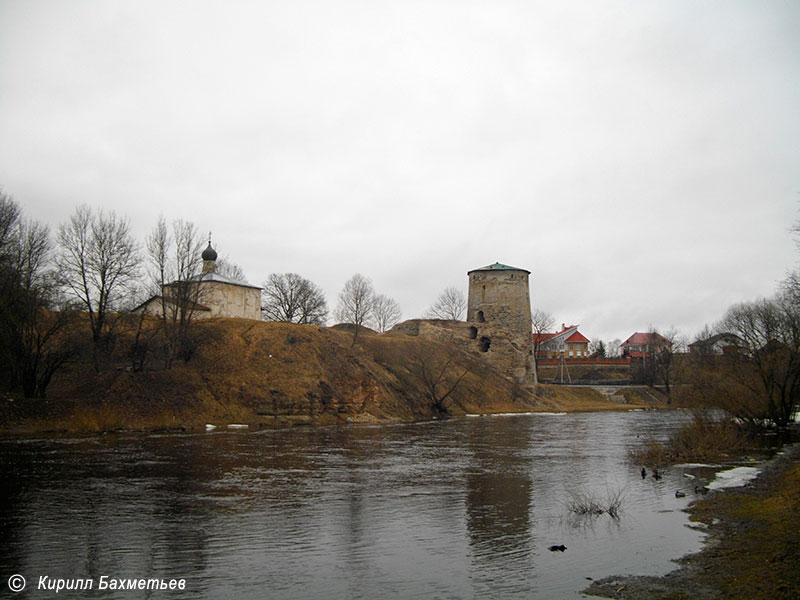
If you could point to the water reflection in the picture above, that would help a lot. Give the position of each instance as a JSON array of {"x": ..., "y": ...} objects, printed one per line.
[
  {"x": 464, "y": 508},
  {"x": 498, "y": 506}
]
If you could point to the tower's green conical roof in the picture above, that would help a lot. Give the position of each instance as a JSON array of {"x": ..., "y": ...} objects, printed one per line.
[{"x": 499, "y": 267}]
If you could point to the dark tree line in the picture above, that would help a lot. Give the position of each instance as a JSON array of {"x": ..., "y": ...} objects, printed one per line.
[
  {"x": 766, "y": 364},
  {"x": 34, "y": 340}
]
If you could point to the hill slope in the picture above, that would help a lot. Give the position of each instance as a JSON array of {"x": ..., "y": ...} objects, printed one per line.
[{"x": 267, "y": 374}]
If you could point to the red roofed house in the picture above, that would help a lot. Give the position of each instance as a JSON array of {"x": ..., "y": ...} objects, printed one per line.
[
  {"x": 569, "y": 343},
  {"x": 643, "y": 345}
]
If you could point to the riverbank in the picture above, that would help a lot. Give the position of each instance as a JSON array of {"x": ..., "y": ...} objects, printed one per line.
[
  {"x": 752, "y": 546},
  {"x": 277, "y": 375}
]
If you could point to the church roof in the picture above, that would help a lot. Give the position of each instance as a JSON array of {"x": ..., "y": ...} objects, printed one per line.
[
  {"x": 498, "y": 267},
  {"x": 221, "y": 279},
  {"x": 209, "y": 253},
  {"x": 189, "y": 304}
]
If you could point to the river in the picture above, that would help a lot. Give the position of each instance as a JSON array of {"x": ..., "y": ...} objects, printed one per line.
[{"x": 462, "y": 508}]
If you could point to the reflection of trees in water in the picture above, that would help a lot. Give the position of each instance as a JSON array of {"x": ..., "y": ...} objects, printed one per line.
[{"x": 17, "y": 470}]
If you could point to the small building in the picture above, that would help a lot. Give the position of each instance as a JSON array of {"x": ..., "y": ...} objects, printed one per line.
[
  {"x": 644, "y": 345},
  {"x": 569, "y": 343},
  {"x": 716, "y": 345},
  {"x": 207, "y": 295}
]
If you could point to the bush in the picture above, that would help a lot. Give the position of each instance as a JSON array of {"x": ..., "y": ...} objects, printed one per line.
[{"x": 706, "y": 438}]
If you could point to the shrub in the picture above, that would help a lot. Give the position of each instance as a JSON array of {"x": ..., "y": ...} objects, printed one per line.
[{"x": 706, "y": 438}]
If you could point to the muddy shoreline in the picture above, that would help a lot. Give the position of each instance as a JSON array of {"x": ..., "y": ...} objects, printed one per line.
[{"x": 733, "y": 536}]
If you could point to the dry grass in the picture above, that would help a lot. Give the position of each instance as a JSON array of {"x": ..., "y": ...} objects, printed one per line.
[
  {"x": 704, "y": 439},
  {"x": 263, "y": 374},
  {"x": 584, "y": 399},
  {"x": 589, "y": 504},
  {"x": 651, "y": 454},
  {"x": 267, "y": 374},
  {"x": 762, "y": 538}
]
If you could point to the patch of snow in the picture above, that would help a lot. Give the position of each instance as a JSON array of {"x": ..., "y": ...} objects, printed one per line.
[
  {"x": 237, "y": 426},
  {"x": 736, "y": 477},
  {"x": 210, "y": 427},
  {"x": 544, "y": 414},
  {"x": 513, "y": 414}
]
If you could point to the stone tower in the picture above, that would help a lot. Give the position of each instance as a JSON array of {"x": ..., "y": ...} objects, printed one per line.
[{"x": 499, "y": 310}]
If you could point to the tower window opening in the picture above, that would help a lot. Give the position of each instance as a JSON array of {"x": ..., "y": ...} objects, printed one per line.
[
  {"x": 485, "y": 342},
  {"x": 473, "y": 333},
  {"x": 481, "y": 318}
]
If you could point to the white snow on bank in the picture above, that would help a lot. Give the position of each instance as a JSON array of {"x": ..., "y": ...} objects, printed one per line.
[
  {"x": 515, "y": 414},
  {"x": 734, "y": 477}
]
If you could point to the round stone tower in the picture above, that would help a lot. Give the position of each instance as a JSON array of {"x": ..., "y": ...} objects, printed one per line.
[
  {"x": 499, "y": 309},
  {"x": 499, "y": 294}
]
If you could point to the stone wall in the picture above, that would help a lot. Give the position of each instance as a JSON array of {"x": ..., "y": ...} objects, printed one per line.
[
  {"x": 501, "y": 297},
  {"x": 505, "y": 351},
  {"x": 499, "y": 308},
  {"x": 227, "y": 300},
  {"x": 223, "y": 300}
]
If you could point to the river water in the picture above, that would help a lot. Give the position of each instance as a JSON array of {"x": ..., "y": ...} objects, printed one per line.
[{"x": 463, "y": 508}]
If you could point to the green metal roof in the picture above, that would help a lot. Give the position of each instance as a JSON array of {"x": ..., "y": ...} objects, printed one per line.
[{"x": 498, "y": 267}]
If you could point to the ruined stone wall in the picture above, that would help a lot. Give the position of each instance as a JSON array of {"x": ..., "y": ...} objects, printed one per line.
[{"x": 505, "y": 351}]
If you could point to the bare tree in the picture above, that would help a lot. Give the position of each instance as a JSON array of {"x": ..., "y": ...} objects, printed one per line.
[
  {"x": 450, "y": 305},
  {"x": 98, "y": 263},
  {"x": 386, "y": 312},
  {"x": 32, "y": 322},
  {"x": 291, "y": 298},
  {"x": 769, "y": 354},
  {"x": 541, "y": 322},
  {"x": 613, "y": 348},
  {"x": 176, "y": 267},
  {"x": 9, "y": 218},
  {"x": 664, "y": 348},
  {"x": 230, "y": 269},
  {"x": 437, "y": 379},
  {"x": 356, "y": 303}
]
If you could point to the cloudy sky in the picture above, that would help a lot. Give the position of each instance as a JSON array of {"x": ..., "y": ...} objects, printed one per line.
[{"x": 640, "y": 158}]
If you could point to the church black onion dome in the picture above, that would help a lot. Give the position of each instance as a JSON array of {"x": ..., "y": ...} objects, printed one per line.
[{"x": 209, "y": 253}]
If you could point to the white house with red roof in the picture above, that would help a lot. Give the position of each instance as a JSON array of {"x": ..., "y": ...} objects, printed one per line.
[{"x": 567, "y": 343}]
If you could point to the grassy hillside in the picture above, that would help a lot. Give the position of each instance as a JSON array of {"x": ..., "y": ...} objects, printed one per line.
[{"x": 275, "y": 374}]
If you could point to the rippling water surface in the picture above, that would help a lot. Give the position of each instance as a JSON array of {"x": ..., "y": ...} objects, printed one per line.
[{"x": 464, "y": 508}]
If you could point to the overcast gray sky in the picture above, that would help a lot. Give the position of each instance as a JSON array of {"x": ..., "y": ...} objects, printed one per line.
[{"x": 640, "y": 158}]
